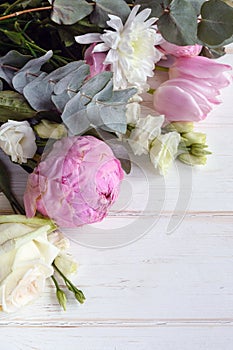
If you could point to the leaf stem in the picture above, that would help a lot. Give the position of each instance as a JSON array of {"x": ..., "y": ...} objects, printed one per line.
[{"x": 19, "y": 13}]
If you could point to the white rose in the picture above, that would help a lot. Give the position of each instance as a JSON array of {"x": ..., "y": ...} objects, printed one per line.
[
  {"x": 145, "y": 131},
  {"x": 163, "y": 150},
  {"x": 17, "y": 140},
  {"x": 26, "y": 258},
  {"x": 133, "y": 109},
  {"x": 132, "y": 112}
]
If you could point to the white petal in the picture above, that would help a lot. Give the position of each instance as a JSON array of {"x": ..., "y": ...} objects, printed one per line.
[
  {"x": 111, "y": 57},
  {"x": 111, "y": 39},
  {"x": 88, "y": 38},
  {"x": 115, "y": 22},
  {"x": 142, "y": 16},
  {"x": 100, "y": 48},
  {"x": 132, "y": 15},
  {"x": 151, "y": 21}
]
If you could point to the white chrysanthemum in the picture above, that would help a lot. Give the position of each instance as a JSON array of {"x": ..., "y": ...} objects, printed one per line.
[{"x": 131, "y": 48}]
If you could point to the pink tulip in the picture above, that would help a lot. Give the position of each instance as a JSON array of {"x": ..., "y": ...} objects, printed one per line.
[
  {"x": 179, "y": 101},
  {"x": 180, "y": 51},
  {"x": 95, "y": 61},
  {"x": 192, "y": 89},
  {"x": 202, "y": 70},
  {"x": 76, "y": 183}
]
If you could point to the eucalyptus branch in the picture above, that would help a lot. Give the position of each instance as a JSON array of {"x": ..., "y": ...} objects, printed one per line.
[{"x": 19, "y": 13}]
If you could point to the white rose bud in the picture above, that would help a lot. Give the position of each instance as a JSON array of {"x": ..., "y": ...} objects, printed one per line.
[
  {"x": 163, "y": 150},
  {"x": 145, "y": 131},
  {"x": 17, "y": 140}
]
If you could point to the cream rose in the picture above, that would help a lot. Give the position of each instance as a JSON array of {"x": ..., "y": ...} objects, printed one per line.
[
  {"x": 17, "y": 140},
  {"x": 26, "y": 258},
  {"x": 146, "y": 130}
]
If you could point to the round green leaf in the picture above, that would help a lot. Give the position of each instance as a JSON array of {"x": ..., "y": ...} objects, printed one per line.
[
  {"x": 70, "y": 11},
  {"x": 216, "y": 25},
  {"x": 105, "y": 7},
  {"x": 156, "y": 6},
  {"x": 178, "y": 24}
]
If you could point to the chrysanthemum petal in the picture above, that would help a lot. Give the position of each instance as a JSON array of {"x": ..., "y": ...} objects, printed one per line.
[{"x": 88, "y": 38}]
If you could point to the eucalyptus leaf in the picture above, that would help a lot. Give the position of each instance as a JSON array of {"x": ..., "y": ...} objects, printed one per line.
[
  {"x": 61, "y": 72},
  {"x": 213, "y": 53},
  {"x": 157, "y": 7},
  {"x": 29, "y": 72},
  {"x": 74, "y": 116},
  {"x": 14, "y": 106},
  {"x": 74, "y": 79},
  {"x": 38, "y": 93},
  {"x": 197, "y": 5},
  {"x": 216, "y": 24},
  {"x": 107, "y": 109},
  {"x": 105, "y": 7},
  {"x": 96, "y": 84},
  {"x": 96, "y": 104},
  {"x": 60, "y": 100},
  {"x": 11, "y": 63},
  {"x": 70, "y": 11},
  {"x": 67, "y": 87},
  {"x": 179, "y": 27}
]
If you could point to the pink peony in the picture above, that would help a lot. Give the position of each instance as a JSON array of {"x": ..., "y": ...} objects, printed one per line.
[
  {"x": 191, "y": 91},
  {"x": 95, "y": 61},
  {"x": 76, "y": 183},
  {"x": 180, "y": 51}
]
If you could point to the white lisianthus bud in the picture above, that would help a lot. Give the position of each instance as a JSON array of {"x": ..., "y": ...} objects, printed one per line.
[
  {"x": 194, "y": 137},
  {"x": 66, "y": 263},
  {"x": 46, "y": 129},
  {"x": 190, "y": 159},
  {"x": 145, "y": 131},
  {"x": 17, "y": 140},
  {"x": 163, "y": 151},
  {"x": 181, "y": 127}
]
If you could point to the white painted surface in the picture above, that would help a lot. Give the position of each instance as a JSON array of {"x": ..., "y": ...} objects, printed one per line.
[{"x": 160, "y": 291}]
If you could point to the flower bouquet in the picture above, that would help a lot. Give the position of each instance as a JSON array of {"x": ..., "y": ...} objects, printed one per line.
[{"x": 84, "y": 84}]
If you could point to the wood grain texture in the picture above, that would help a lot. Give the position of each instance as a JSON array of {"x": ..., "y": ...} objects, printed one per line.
[{"x": 155, "y": 290}]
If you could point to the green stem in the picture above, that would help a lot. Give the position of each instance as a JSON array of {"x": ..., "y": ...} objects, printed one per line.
[
  {"x": 55, "y": 282},
  {"x": 162, "y": 69},
  {"x": 10, "y": 8},
  {"x": 77, "y": 292}
]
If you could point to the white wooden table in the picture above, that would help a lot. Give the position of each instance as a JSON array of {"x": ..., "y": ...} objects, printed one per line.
[{"x": 158, "y": 291}]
